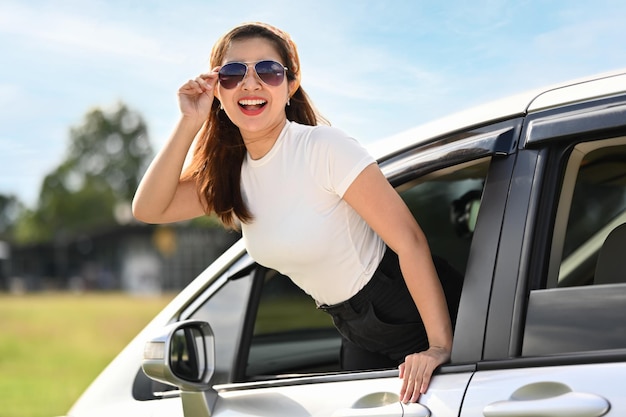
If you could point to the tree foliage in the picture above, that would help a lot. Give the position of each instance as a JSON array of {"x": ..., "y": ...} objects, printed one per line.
[
  {"x": 109, "y": 150},
  {"x": 10, "y": 209},
  {"x": 106, "y": 158}
]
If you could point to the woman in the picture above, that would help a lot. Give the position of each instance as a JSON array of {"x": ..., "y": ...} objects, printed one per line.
[{"x": 310, "y": 202}]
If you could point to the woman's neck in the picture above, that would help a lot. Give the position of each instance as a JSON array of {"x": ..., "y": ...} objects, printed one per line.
[{"x": 258, "y": 144}]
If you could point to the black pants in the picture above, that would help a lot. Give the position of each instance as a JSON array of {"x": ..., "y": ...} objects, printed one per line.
[{"x": 380, "y": 325}]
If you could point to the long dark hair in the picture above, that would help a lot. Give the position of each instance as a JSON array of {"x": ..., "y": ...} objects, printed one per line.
[{"x": 219, "y": 152}]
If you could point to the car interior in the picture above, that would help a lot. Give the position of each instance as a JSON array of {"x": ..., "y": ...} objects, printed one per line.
[
  {"x": 593, "y": 204},
  {"x": 611, "y": 265}
]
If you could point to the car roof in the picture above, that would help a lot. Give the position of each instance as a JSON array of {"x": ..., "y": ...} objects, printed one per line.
[{"x": 597, "y": 86}]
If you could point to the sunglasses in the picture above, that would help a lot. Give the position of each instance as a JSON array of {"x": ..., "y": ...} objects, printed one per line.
[{"x": 270, "y": 72}]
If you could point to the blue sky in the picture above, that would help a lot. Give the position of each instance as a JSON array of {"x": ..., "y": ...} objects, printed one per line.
[{"x": 373, "y": 68}]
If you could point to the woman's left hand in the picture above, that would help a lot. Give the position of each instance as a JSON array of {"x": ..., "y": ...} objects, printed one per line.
[{"x": 417, "y": 370}]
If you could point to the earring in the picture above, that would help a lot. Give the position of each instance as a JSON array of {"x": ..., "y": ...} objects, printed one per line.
[
  {"x": 288, "y": 101},
  {"x": 221, "y": 106}
]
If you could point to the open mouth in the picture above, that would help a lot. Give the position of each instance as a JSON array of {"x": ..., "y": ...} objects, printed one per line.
[{"x": 252, "y": 104}]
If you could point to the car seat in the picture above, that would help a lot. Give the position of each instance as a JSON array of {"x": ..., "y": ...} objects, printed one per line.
[{"x": 611, "y": 265}]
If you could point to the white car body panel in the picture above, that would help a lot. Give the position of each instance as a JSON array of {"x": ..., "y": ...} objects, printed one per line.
[
  {"x": 359, "y": 397},
  {"x": 576, "y": 390}
]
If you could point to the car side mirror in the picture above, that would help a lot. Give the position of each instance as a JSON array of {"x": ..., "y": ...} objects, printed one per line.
[{"x": 183, "y": 355}]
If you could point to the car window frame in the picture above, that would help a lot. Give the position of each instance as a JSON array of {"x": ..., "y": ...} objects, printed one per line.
[
  {"x": 498, "y": 141},
  {"x": 537, "y": 179}
]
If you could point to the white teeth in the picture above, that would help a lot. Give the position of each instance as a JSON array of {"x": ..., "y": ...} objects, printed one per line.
[{"x": 257, "y": 102}]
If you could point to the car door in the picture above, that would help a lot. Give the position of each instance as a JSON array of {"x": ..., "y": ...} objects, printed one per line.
[
  {"x": 281, "y": 357},
  {"x": 287, "y": 364},
  {"x": 555, "y": 341}
]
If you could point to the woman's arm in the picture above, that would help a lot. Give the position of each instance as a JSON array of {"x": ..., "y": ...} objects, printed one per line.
[
  {"x": 381, "y": 207},
  {"x": 161, "y": 196}
]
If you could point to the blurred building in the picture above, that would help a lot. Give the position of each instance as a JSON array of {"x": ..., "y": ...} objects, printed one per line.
[{"x": 142, "y": 259}]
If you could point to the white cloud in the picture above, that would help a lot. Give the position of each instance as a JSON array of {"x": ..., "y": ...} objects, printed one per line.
[{"x": 79, "y": 33}]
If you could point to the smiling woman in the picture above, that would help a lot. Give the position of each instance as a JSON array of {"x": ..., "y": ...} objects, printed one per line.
[{"x": 310, "y": 201}]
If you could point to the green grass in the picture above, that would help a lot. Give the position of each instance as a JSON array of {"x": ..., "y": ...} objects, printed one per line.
[{"x": 53, "y": 345}]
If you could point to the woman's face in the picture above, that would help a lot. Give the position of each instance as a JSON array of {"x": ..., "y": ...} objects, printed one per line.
[{"x": 256, "y": 108}]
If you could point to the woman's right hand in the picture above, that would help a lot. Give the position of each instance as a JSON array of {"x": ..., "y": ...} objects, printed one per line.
[{"x": 195, "y": 97}]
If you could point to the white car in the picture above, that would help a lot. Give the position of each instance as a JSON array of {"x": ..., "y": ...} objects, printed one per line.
[{"x": 525, "y": 198}]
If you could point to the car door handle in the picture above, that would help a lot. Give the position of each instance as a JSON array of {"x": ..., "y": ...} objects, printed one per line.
[
  {"x": 389, "y": 410},
  {"x": 382, "y": 404},
  {"x": 396, "y": 410},
  {"x": 570, "y": 404}
]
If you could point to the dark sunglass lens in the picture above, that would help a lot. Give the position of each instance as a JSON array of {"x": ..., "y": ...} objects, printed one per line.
[
  {"x": 270, "y": 72},
  {"x": 231, "y": 74}
]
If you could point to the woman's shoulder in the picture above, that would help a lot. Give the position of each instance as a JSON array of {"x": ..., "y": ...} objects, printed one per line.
[
  {"x": 317, "y": 131},
  {"x": 322, "y": 142},
  {"x": 319, "y": 136}
]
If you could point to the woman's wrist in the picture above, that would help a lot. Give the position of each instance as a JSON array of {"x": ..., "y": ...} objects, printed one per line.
[
  {"x": 188, "y": 127},
  {"x": 443, "y": 343},
  {"x": 194, "y": 122}
]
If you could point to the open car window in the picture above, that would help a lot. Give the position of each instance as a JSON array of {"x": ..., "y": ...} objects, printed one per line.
[{"x": 290, "y": 335}]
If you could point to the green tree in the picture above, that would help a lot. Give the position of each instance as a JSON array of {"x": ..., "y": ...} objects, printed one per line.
[
  {"x": 106, "y": 158},
  {"x": 10, "y": 209},
  {"x": 111, "y": 148}
]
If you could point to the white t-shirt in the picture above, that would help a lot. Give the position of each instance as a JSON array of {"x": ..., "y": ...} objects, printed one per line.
[{"x": 302, "y": 227}]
